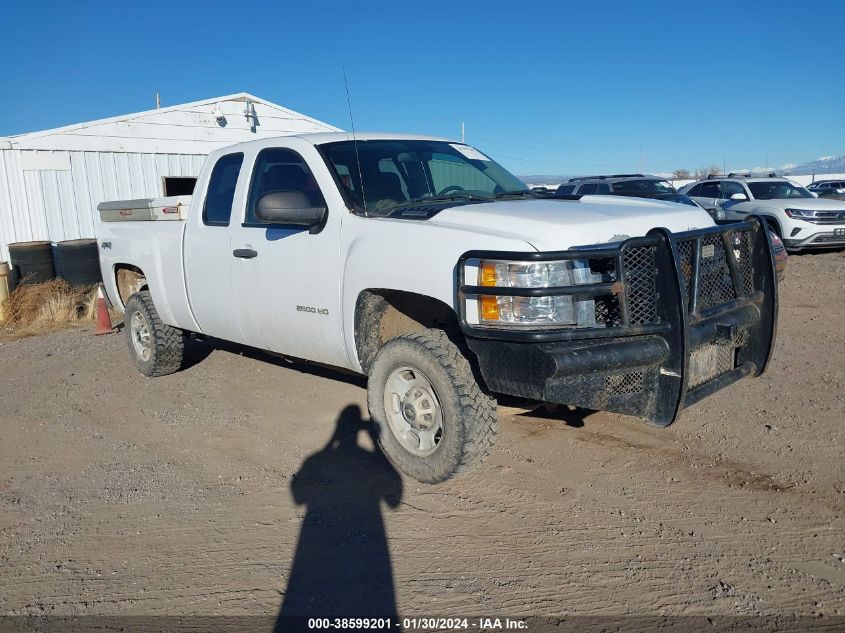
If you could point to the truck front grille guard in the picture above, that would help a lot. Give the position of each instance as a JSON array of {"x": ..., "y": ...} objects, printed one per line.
[{"x": 712, "y": 288}]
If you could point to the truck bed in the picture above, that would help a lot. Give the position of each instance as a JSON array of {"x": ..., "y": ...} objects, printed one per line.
[{"x": 147, "y": 234}]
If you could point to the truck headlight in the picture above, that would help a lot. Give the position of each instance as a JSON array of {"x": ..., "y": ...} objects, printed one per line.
[{"x": 535, "y": 311}]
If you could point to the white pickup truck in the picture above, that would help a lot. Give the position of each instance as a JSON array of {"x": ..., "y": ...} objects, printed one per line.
[{"x": 425, "y": 265}]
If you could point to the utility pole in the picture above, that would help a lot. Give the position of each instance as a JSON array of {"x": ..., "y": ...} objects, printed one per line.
[
  {"x": 158, "y": 101},
  {"x": 462, "y": 132}
]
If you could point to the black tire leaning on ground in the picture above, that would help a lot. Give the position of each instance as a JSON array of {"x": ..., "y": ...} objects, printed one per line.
[
  {"x": 469, "y": 415},
  {"x": 166, "y": 343}
]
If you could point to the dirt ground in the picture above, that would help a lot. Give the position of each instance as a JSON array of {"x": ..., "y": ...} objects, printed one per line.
[{"x": 243, "y": 484}]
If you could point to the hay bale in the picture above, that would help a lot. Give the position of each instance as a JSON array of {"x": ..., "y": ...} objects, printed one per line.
[{"x": 37, "y": 308}]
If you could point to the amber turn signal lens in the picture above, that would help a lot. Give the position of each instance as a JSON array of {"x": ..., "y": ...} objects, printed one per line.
[
  {"x": 489, "y": 308},
  {"x": 487, "y": 275}
]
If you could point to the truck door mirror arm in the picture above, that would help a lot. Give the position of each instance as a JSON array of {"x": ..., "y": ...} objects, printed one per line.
[{"x": 291, "y": 208}]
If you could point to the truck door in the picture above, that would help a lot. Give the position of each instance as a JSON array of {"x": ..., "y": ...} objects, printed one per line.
[
  {"x": 286, "y": 279},
  {"x": 208, "y": 250}
]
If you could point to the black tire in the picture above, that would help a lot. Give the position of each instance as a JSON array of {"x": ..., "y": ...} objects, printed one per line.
[
  {"x": 166, "y": 344},
  {"x": 469, "y": 423}
]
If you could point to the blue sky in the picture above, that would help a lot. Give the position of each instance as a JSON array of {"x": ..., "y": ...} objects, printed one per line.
[{"x": 545, "y": 88}]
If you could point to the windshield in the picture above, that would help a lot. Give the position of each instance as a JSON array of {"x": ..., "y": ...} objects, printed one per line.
[
  {"x": 777, "y": 190},
  {"x": 643, "y": 187},
  {"x": 402, "y": 172}
]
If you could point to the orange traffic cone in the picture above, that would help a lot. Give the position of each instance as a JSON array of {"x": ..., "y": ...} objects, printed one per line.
[{"x": 103, "y": 318}]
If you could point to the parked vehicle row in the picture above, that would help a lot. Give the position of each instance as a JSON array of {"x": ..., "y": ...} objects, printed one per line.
[
  {"x": 654, "y": 187},
  {"x": 425, "y": 265},
  {"x": 828, "y": 188},
  {"x": 800, "y": 218},
  {"x": 635, "y": 185}
]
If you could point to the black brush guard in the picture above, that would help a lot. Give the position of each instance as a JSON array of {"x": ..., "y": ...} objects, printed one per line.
[{"x": 679, "y": 316}]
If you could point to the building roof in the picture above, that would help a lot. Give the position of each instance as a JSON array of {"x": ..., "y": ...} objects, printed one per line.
[{"x": 184, "y": 128}]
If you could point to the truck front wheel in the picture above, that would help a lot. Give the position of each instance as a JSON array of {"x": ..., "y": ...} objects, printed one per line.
[
  {"x": 155, "y": 347},
  {"x": 434, "y": 421}
]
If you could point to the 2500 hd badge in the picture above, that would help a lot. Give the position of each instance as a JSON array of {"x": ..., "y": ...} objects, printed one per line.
[{"x": 313, "y": 310}]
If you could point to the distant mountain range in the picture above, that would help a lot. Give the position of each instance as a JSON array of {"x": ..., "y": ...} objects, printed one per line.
[
  {"x": 821, "y": 166},
  {"x": 543, "y": 180},
  {"x": 824, "y": 165}
]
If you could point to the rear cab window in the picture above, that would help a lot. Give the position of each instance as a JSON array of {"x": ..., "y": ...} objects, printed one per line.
[{"x": 217, "y": 209}]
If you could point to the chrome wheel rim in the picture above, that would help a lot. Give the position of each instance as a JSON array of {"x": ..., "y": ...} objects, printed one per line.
[
  {"x": 139, "y": 330},
  {"x": 413, "y": 411}
]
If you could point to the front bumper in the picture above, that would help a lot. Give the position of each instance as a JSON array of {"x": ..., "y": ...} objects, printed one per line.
[
  {"x": 831, "y": 237},
  {"x": 686, "y": 314}
]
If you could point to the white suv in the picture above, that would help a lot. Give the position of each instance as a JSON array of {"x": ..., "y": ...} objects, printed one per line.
[{"x": 799, "y": 217}]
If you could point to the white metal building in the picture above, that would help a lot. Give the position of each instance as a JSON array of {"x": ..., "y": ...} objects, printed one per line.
[{"x": 52, "y": 181}]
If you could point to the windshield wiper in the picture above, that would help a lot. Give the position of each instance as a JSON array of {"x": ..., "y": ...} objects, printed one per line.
[
  {"x": 457, "y": 195},
  {"x": 520, "y": 193}
]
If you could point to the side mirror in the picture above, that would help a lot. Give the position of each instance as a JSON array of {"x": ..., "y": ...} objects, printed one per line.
[
  {"x": 288, "y": 207},
  {"x": 739, "y": 197}
]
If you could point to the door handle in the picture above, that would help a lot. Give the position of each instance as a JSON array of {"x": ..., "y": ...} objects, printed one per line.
[{"x": 245, "y": 253}]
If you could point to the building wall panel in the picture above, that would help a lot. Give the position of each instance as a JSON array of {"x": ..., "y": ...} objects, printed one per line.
[
  {"x": 61, "y": 204},
  {"x": 52, "y": 181}
]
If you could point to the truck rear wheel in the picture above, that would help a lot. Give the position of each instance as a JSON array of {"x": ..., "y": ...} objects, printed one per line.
[
  {"x": 434, "y": 420},
  {"x": 155, "y": 347}
]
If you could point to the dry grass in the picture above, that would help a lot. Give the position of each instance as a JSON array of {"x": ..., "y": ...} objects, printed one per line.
[{"x": 39, "y": 308}]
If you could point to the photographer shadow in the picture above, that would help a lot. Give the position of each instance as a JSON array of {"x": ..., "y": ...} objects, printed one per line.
[{"x": 342, "y": 567}]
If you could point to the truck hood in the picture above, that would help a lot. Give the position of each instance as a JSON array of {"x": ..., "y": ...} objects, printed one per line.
[{"x": 550, "y": 225}]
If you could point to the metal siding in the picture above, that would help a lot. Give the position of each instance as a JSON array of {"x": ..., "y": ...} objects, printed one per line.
[
  {"x": 94, "y": 178},
  {"x": 68, "y": 209},
  {"x": 118, "y": 158},
  {"x": 34, "y": 210},
  {"x": 17, "y": 223},
  {"x": 81, "y": 194},
  {"x": 7, "y": 229},
  {"x": 47, "y": 182},
  {"x": 61, "y": 205}
]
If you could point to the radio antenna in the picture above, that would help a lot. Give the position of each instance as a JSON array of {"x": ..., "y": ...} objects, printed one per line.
[{"x": 355, "y": 142}]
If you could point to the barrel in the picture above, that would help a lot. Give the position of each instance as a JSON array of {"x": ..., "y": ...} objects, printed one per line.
[
  {"x": 32, "y": 262},
  {"x": 78, "y": 262}
]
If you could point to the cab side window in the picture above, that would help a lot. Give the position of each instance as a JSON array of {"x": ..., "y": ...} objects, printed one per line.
[
  {"x": 281, "y": 169},
  {"x": 587, "y": 189},
  {"x": 217, "y": 209}
]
